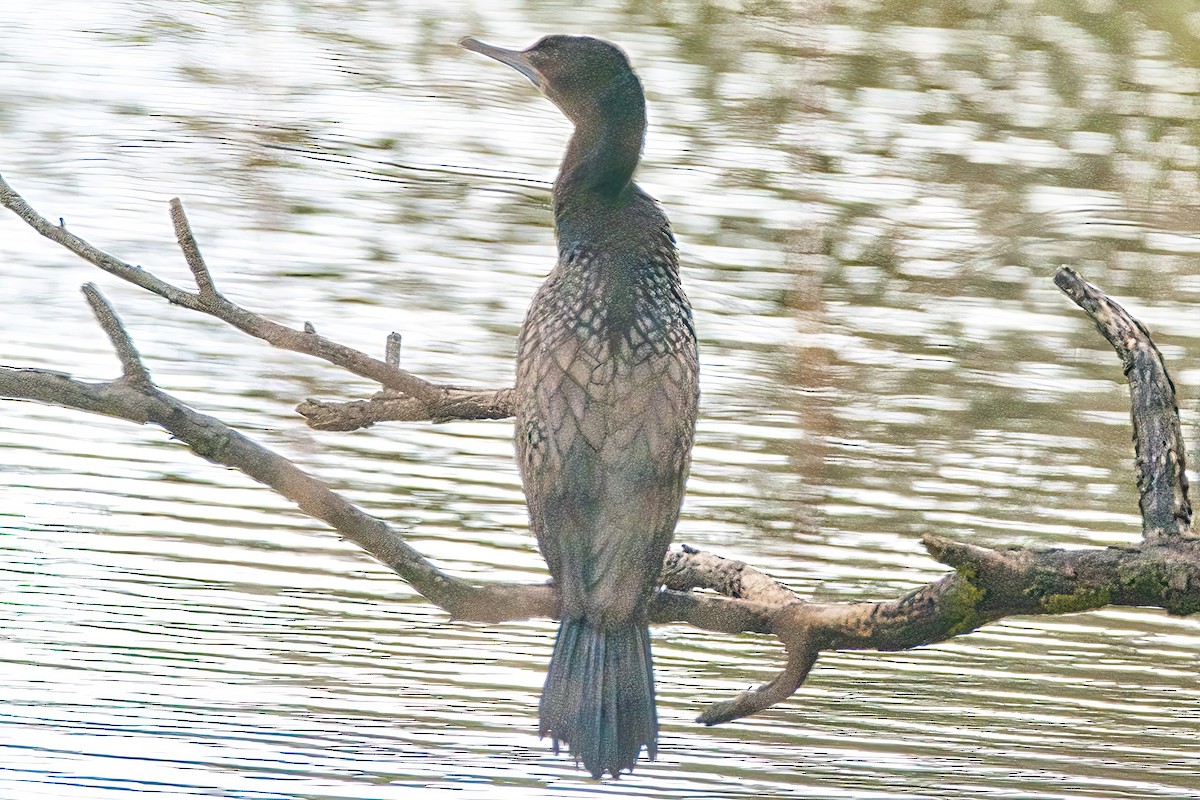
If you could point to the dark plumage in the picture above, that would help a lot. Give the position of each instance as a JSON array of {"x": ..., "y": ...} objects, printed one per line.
[{"x": 607, "y": 389}]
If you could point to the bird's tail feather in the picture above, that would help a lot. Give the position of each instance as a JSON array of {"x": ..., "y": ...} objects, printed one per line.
[{"x": 599, "y": 696}]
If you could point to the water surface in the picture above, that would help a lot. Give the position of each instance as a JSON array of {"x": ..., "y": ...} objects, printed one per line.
[{"x": 870, "y": 199}]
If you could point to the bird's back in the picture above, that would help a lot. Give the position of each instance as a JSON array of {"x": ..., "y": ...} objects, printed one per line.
[{"x": 606, "y": 407}]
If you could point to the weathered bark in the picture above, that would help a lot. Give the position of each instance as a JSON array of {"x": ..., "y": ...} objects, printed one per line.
[
  {"x": 1158, "y": 443},
  {"x": 986, "y": 584},
  {"x": 454, "y": 403}
]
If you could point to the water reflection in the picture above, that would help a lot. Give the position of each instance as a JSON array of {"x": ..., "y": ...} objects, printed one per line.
[{"x": 870, "y": 198}]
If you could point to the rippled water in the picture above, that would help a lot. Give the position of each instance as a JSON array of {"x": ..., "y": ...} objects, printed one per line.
[{"x": 870, "y": 198}]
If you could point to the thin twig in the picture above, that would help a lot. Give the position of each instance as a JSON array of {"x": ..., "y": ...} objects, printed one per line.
[
  {"x": 216, "y": 305},
  {"x": 191, "y": 251},
  {"x": 93, "y": 255},
  {"x": 133, "y": 369}
]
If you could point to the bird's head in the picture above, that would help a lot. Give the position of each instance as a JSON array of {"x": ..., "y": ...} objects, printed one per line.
[{"x": 582, "y": 75}]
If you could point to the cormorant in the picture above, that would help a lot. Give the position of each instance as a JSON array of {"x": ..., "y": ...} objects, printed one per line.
[{"x": 606, "y": 397}]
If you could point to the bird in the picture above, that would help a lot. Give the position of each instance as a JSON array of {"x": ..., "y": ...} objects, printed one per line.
[{"x": 606, "y": 397}]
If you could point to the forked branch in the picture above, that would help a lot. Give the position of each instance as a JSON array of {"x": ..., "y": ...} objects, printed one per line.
[
  {"x": 208, "y": 300},
  {"x": 699, "y": 589}
]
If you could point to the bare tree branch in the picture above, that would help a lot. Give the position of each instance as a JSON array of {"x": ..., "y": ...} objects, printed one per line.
[
  {"x": 700, "y": 589},
  {"x": 1158, "y": 442},
  {"x": 191, "y": 252},
  {"x": 688, "y": 569},
  {"x": 214, "y": 441},
  {"x": 988, "y": 585},
  {"x": 140, "y": 401},
  {"x": 455, "y": 403},
  {"x": 208, "y": 437},
  {"x": 133, "y": 370},
  {"x": 209, "y": 301}
]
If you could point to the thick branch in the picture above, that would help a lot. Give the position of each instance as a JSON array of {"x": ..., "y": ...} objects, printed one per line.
[
  {"x": 987, "y": 585},
  {"x": 213, "y": 440}
]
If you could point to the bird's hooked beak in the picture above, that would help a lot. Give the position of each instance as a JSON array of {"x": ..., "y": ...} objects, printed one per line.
[{"x": 517, "y": 59}]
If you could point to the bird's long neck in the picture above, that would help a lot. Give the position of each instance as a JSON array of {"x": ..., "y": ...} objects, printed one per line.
[
  {"x": 610, "y": 233},
  {"x": 597, "y": 169}
]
